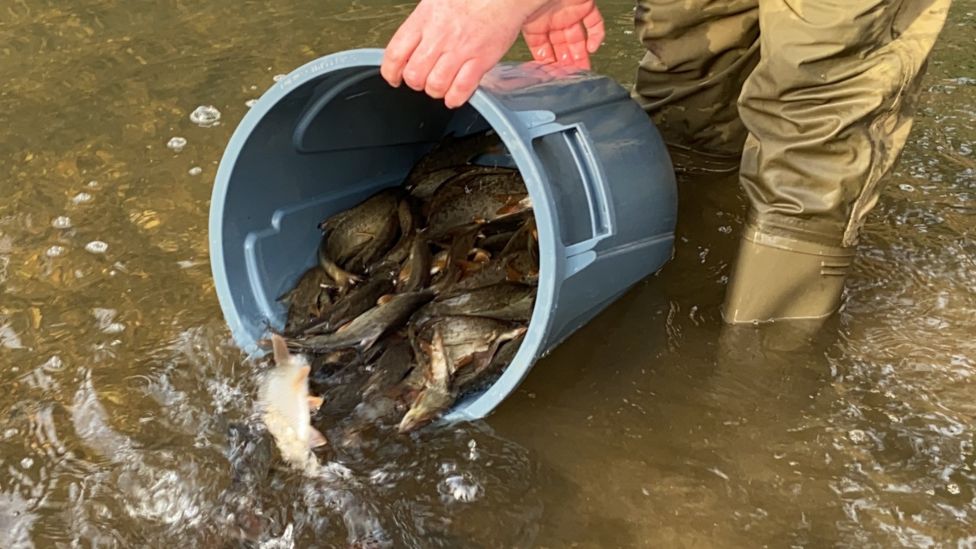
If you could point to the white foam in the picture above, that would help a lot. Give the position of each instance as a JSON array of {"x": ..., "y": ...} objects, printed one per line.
[
  {"x": 176, "y": 144},
  {"x": 96, "y": 247},
  {"x": 205, "y": 116}
]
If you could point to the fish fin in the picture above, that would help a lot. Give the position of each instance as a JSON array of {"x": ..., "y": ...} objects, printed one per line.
[
  {"x": 384, "y": 299},
  {"x": 480, "y": 255},
  {"x": 302, "y": 376},
  {"x": 439, "y": 369},
  {"x": 281, "y": 354},
  {"x": 316, "y": 438},
  {"x": 512, "y": 274},
  {"x": 314, "y": 402}
]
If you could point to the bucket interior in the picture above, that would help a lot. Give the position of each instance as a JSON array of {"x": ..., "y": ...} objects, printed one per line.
[{"x": 323, "y": 148}]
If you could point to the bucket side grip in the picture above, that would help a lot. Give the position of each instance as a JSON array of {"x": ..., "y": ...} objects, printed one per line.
[{"x": 594, "y": 186}]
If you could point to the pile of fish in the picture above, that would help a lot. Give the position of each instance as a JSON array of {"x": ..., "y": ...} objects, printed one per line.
[{"x": 422, "y": 292}]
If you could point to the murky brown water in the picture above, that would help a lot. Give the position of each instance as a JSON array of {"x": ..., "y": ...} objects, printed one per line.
[{"x": 124, "y": 407}]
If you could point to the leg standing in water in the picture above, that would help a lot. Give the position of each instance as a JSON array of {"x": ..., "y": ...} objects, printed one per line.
[
  {"x": 825, "y": 107},
  {"x": 827, "y": 92}
]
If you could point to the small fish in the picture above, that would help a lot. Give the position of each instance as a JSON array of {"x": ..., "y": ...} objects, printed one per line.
[
  {"x": 343, "y": 279},
  {"x": 451, "y": 152},
  {"x": 407, "y": 218},
  {"x": 469, "y": 341},
  {"x": 308, "y": 299},
  {"x": 356, "y": 238},
  {"x": 415, "y": 273},
  {"x": 356, "y": 302},
  {"x": 287, "y": 406},
  {"x": 389, "y": 369},
  {"x": 470, "y": 380},
  {"x": 462, "y": 203},
  {"x": 437, "y": 395},
  {"x": 504, "y": 301},
  {"x": 362, "y": 332}
]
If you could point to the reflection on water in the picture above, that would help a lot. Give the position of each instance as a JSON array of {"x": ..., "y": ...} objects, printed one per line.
[{"x": 127, "y": 415}]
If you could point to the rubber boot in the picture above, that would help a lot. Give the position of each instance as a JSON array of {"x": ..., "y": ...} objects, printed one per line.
[{"x": 780, "y": 278}]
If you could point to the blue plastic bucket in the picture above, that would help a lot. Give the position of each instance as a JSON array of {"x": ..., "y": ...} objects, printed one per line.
[{"x": 332, "y": 133}]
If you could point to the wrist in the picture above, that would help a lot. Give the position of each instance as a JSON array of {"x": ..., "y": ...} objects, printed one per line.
[{"x": 527, "y": 8}]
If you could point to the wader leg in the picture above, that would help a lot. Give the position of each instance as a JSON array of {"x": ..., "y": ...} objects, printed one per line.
[
  {"x": 828, "y": 109},
  {"x": 699, "y": 53}
]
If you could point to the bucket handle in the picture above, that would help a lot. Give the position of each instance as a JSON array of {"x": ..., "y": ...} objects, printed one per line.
[{"x": 580, "y": 145}]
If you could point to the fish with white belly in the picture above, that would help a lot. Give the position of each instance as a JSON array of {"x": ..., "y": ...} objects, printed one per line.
[{"x": 287, "y": 406}]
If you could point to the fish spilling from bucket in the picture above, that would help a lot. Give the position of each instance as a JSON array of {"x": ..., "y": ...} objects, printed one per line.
[
  {"x": 421, "y": 296},
  {"x": 287, "y": 406}
]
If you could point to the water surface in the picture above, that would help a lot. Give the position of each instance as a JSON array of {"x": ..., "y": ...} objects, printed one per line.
[{"x": 126, "y": 412}]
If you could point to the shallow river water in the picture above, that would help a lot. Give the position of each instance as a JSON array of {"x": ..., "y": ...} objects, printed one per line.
[{"x": 126, "y": 413}]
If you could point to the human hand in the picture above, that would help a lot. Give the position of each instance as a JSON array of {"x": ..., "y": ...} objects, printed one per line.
[
  {"x": 445, "y": 47},
  {"x": 565, "y": 32}
]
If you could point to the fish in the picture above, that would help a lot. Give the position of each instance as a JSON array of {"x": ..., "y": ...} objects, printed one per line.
[
  {"x": 467, "y": 339},
  {"x": 437, "y": 394},
  {"x": 355, "y": 238},
  {"x": 466, "y": 202},
  {"x": 451, "y": 270},
  {"x": 429, "y": 183},
  {"x": 517, "y": 267},
  {"x": 362, "y": 332},
  {"x": 389, "y": 369},
  {"x": 471, "y": 380},
  {"x": 287, "y": 406},
  {"x": 503, "y": 301},
  {"x": 407, "y": 218},
  {"x": 356, "y": 302},
  {"x": 343, "y": 279},
  {"x": 415, "y": 273},
  {"x": 308, "y": 300},
  {"x": 451, "y": 152}
]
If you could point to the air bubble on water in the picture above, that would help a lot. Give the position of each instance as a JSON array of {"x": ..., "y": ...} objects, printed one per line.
[
  {"x": 250, "y": 103},
  {"x": 176, "y": 144},
  {"x": 53, "y": 364},
  {"x": 105, "y": 319},
  {"x": 906, "y": 187},
  {"x": 96, "y": 247},
  {"x": 447, "y": 467},
  {"x": 10, "y": 433},
  {"x": 461, "y": 488},
  {"x": 725, "y": 229},
  {"x": 82, "y": 198},
  {"x": 336, "y": 471},
  {"x": 93, "y": 184},
  {"x": 61, "y": 222},
  {"x": 195, "y": 170},
  {"x": 55, "y": 251},
  {"x": 26, "y": 463},
  {"x": 472, "y": 450},
  {"x": 857, "y": 435},
  {"x": 205, "y": 116},
  {"x": 965, "y": 150},
  {"x": 279, "y": 77},
  {"x": 953, "y": 488}
]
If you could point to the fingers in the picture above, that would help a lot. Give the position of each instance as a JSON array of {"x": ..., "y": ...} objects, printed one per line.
[
  {"x": 540, "y": 46},
  {"x": 442, "y": 76},
  {"x": 595, "y": 31},
  {"x": 421, "y": 62},
  {"x": 465, "y": 83},
  {"x": 575, "y": 38},
  {"x": 398, "y": 52}
]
